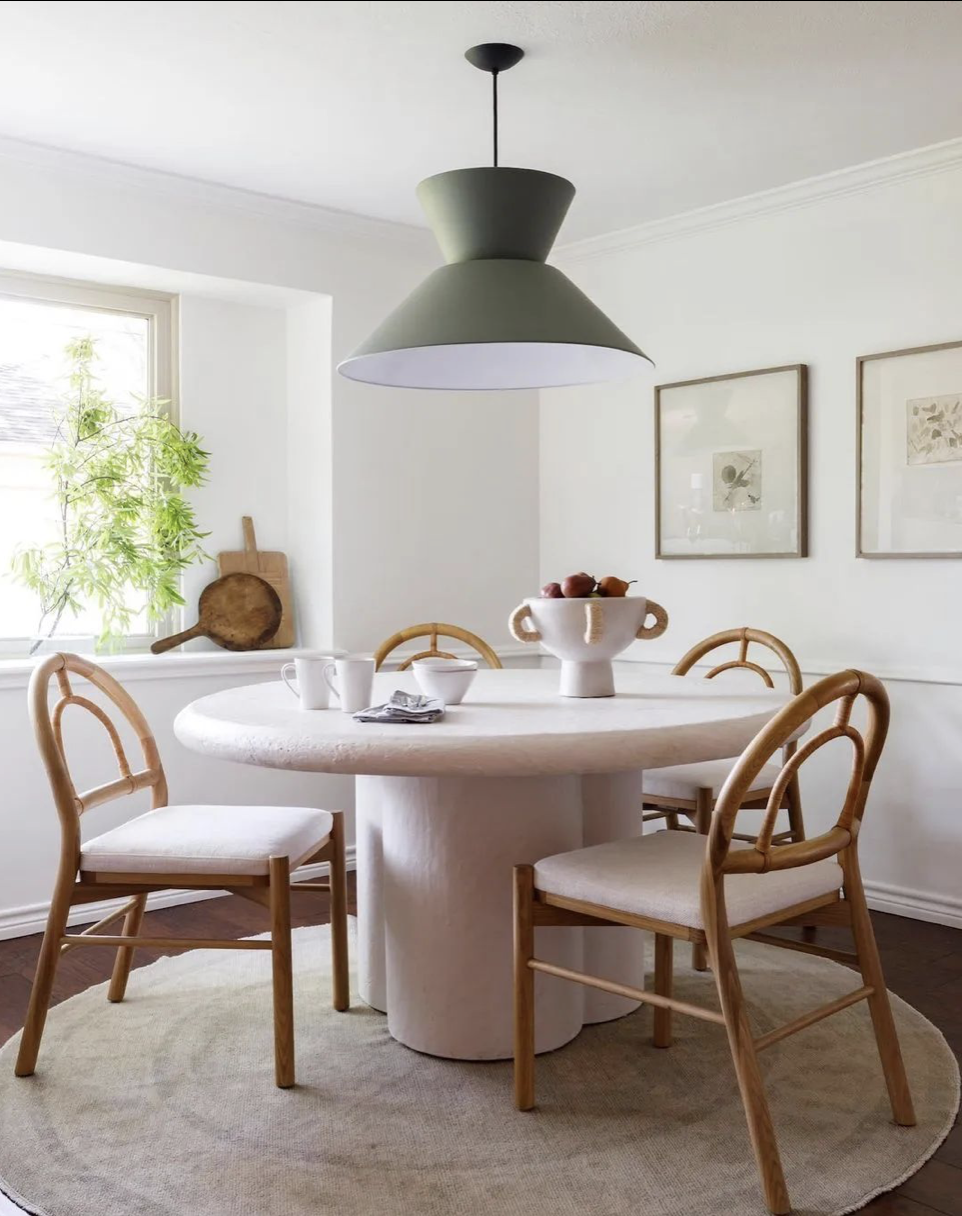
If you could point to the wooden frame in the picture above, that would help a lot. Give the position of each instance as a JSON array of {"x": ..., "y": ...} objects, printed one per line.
[
  {"x": 860, "y": 363},
  {"x": 801, "y": 464},
  {"x": 75, "y": 886},
  {"x": 433, "y": 630},
  {"x": 533, "y": 907},
  {"x": 701, "y": 808}
]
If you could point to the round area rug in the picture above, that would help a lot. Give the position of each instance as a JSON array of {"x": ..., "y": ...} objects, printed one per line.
[{"x": 165, "y": 1105}]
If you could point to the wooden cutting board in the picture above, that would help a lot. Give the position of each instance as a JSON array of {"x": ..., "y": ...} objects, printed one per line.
[{"x": 271, "y": 566}]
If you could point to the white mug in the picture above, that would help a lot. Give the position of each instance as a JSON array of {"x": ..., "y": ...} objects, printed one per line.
[
  {"x": 355, "y": 680},
  {"x": 308, "y": 668}
]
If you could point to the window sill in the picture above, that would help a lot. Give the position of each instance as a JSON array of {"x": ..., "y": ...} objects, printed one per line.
[{"x": 130, "y": 667}]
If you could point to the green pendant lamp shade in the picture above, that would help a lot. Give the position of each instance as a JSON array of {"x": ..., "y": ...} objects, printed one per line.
[{"x": 496, "y": 316}]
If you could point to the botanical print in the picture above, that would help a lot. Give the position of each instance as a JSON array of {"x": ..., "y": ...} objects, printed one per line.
[
  {"x": 933, "y": 429},
  {"x": 737, "y": 481}
]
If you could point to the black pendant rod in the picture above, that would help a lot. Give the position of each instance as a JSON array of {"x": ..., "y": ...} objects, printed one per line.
[
  {"x": 494, "y": 115},
  {"x": 494, "y": 57}
]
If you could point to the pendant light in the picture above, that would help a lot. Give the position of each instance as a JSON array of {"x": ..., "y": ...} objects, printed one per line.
[{"x": 496, "y": 316}]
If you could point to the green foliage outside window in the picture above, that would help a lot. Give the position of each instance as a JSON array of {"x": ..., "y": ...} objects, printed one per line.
[{"x": 124, "y": 531}]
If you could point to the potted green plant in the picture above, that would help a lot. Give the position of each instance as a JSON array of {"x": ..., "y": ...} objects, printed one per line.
[{"x": 124, "y": 531}]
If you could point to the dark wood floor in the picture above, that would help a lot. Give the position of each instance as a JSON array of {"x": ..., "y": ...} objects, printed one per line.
[{"x": 923, "y": 964}]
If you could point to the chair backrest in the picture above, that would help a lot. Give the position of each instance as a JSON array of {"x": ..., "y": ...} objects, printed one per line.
[
  {"x": 48, "y": 729},
  {"x": 434, "y": 630},
  {"x": 845, "y": 687},
  {"x": 743, "y": 637}
]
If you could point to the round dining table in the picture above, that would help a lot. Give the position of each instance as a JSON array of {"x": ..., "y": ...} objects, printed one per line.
[{"x": 446, "y": 809}]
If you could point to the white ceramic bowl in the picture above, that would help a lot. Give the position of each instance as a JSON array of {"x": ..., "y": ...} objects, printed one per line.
[
  {"x": 586, "y": 634},
  {"x": 446, "y": 679}
]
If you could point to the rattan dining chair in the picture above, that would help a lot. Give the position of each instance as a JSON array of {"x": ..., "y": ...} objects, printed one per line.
[
  {"x": 247, "y": 850},
  {"x": 678, "y": 885},
  {"x": 691, "y": 790},
  {"x": 433, "y": 630}
]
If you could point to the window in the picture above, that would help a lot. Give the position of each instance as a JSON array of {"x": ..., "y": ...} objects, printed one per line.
[{"x": 39, "y": 319}]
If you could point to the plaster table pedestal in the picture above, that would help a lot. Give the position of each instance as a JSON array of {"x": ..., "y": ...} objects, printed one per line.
[{"x": 514, "y": 774}]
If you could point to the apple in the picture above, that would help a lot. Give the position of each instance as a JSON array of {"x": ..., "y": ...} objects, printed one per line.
[{"x": 578, "y": 586}]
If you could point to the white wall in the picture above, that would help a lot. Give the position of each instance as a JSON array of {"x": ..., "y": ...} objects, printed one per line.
[
  {"x": 393, "y": 507},
  {"x": 146, "y": 219},
  {"x": 233, "y": 387},
  {"x": 860, "y": 271},
  {"x": 310, "y": 467},
  {"x": 792, "y": 278},
  {"x": 438, "y": 520}
]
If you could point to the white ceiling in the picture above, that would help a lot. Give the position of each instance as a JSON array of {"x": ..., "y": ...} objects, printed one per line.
[{"x": 650, "y": 108}]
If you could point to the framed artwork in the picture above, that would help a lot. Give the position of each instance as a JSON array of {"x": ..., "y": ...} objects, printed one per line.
[
  {"x": 909, "y": 418},
  {"x": 731, "y": 465}
]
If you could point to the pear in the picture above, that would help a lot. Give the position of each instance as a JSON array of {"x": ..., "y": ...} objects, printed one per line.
[
  {"x": 615, "y": 588},
  {"x": 552, "y": 591},
  {"x": 578, "y": 586}
]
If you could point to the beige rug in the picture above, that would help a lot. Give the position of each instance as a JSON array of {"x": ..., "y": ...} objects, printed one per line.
[{"x": 165, "y": 1105}]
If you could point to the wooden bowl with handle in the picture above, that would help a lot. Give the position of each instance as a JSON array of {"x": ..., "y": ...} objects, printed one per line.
[{"x": 237, "y": 612}]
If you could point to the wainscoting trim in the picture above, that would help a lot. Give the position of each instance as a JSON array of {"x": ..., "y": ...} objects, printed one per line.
[{"x": 825, "y": 667}]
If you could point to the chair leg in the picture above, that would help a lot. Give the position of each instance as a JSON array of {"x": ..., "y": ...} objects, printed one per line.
[
  {"x": 793, "y": 802},
  {"x": 704, "y": 803},
  {"x": 43, "y": 981},
  {"x": 745, "y": 1058},
  {"x": 796, "y": 824},
  {"x": 125, "y": 954},
  {"x": 664, "y": 967},
  {"x": 523, "y": 987},
  {"x": 339, "y": 959},
  {"x": 669, "y": 815},
  {"x": 280, "y": 906},
  {"x": 870, "y": 965}
]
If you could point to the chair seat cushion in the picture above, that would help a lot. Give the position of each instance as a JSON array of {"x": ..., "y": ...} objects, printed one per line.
[
  {"x": 657, "y": 876},
  {"x": 685, "y": 780},
  {"x": 207, "y": 840}
]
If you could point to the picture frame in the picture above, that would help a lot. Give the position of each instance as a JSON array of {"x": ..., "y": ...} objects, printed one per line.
[
  {"x": 908, "y": 422},
  {"x": 731, "y": 465}
]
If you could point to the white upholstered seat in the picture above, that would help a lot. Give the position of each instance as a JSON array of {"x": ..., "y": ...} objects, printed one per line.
[
  {"x": 207, "y": 840},
  {"x": 685, "y": 780},
  {"x": 658, "y": 875}
]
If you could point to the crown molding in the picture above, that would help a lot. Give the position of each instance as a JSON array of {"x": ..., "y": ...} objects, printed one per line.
[
  {"x": 251, "y": 203},
  {"x": 889, "y": 170}
]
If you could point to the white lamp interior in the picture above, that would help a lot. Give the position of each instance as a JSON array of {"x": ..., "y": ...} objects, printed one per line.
[{"x": 492, "y": 365}]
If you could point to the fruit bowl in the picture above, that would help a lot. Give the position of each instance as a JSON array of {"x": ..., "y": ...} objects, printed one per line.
[{"x": 586, "y": 634}]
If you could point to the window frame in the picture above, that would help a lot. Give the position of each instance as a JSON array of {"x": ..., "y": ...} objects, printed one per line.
[{"x": 159, "y": 309}]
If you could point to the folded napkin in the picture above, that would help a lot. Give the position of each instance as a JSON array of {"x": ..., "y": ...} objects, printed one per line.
[{"x": 403, "y": 707}]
